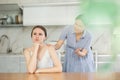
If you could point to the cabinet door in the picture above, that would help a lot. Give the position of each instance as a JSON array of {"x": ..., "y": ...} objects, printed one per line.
[
  {"x": 22, "y": 64},
  {"x": 50, "y": 14},
  {"x": 9, "y": 64},
  {"x": 9, "y": 1},
  {"x": 45, "y": 1},
  {"x": 106, "y": 62}
]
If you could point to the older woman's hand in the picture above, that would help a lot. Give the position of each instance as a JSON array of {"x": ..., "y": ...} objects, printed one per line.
[{"x": 79, "y": 52}]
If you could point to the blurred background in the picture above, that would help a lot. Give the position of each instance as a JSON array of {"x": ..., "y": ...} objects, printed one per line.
[{"x": 17, "y": 18}]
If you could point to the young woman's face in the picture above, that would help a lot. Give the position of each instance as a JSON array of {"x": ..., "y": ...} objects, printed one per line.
[
  {"x": 79, "y": 26},
  {"x": 38, "y": 36}
]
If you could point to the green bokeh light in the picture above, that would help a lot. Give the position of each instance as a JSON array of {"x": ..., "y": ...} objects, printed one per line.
[{"x": 103, "y": 12}]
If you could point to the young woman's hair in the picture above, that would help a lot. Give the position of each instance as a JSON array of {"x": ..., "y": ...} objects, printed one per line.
[{"x": 41, "y": 27}]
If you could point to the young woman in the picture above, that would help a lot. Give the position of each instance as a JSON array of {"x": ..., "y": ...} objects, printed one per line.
[{"x": 40, "y": 57}]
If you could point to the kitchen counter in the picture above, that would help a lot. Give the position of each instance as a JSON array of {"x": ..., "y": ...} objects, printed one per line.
[
  {"x": 11, "y": 54},
  {"x": 59, "y": 76}
]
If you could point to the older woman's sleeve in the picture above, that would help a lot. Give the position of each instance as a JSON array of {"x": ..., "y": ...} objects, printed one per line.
[
  {"x": 63, "y": 35},
  {"x": 88, "y": 41}
]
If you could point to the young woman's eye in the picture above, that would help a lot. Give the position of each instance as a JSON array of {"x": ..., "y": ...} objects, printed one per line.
[
  {"x": 40, "y": 34},
  {"x": 34, "y": 34}
]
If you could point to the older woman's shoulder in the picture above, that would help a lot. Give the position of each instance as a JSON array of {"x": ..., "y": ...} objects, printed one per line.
[{"x": 87, "y": 33}]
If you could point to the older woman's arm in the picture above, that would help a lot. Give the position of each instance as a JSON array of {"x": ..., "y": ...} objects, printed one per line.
[
  {"x": 59, "y": 44},
  {"x": 81, "y": 52}
]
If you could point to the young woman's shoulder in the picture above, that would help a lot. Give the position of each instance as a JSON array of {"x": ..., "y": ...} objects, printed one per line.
[{"x": 50, "y": 48}]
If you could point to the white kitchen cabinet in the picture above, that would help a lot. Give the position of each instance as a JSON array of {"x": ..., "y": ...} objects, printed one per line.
[
  {"x": 45, "y": 1},
  {"x": 20, "y": 2},
  {"x": 105, "y": 62},
  {"x": 10, "y": 15},
  {"x": 12, "y": 63},
  {"x": 9, "y": 64},
  {"x": 50, "y": 13},
  {"x": 22, "y": 64},
  {"x": 8, "y": 1}
]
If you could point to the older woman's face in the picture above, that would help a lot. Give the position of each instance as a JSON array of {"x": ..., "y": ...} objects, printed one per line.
[
  {"x": 79, "y": 26},
  {"x": 38, "y": 36}
]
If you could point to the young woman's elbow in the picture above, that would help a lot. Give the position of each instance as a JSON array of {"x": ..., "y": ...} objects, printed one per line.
[
  {"x": 31, "y": 71},
  {"x": 59, "y": 69}
]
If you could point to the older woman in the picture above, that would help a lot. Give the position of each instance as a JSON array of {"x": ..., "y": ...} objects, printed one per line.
[
  {"x": 40, "y": 57},
  {"x": 78, "y": 57}
]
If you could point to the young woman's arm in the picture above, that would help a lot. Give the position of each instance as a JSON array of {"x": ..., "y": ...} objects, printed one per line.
[
  {"x": 31, "y": 60},
  {"x": 57, "y": 64}
]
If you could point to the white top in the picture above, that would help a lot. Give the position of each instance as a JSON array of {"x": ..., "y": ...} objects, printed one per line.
[{"x": 45, "y": 61}]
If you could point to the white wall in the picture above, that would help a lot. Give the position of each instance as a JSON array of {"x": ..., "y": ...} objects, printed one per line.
[
  {"x": 35, "y": 1},
  {"x": 20, "y": 38}
]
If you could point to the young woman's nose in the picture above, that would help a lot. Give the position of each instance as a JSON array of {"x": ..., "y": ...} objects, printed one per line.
[{"x": 37, "y": 36}]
